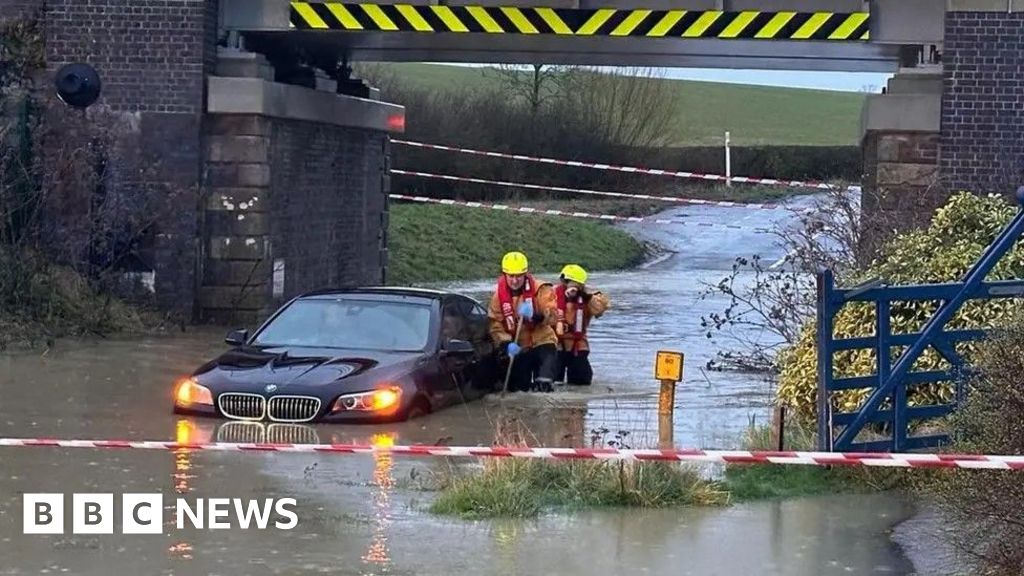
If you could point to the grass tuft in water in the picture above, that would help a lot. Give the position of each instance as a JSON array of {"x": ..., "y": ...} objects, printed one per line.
[{"x": 523, "y": 488}]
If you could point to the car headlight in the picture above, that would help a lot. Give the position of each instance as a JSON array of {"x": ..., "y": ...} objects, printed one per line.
[
  {"x": 379, "y": 400},
  {"x": 190, "y": 392}
]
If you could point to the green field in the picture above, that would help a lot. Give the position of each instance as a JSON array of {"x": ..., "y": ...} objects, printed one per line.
[
  {"x": 441, "y": 243},
  {"x": 754, "y": 115}
]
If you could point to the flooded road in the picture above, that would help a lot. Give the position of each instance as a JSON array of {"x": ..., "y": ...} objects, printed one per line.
[{"x": 361, "y": 514}]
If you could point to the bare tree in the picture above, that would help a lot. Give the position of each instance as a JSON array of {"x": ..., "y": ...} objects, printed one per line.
[
  {"x": 770, "y": 302},
  {"x": 536, "y": 86},
  {"x": 629, "y": 108}
]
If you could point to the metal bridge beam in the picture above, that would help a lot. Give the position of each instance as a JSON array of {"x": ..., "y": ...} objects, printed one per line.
[{"x": 266, "y": 25}]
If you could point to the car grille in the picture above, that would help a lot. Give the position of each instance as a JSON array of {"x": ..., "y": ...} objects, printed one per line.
[
  {"x": 293, "y": 408},
  {"x": 257, "y": 433},
  {"x": 242, "y": 406}
]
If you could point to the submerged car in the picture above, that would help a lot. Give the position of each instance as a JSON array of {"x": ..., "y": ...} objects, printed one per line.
[{"x": 354, "y": 355}]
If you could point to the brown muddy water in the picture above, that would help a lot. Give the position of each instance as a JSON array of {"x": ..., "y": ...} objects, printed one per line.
[{"x": 361, "y": 515}]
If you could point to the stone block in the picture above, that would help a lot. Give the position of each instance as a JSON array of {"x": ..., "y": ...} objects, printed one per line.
[
  {"x": 238, "y": 247},
  {"x": 249, "y": 200},
  {"x": 906, "y": 174},
  {"x": 237, "y": 223},
  {"x": 241, "y": 149},
  {"x": 238, "y": 175},
  {"x": 237, "y": 125},
  {"x": 236, "y": 272}
]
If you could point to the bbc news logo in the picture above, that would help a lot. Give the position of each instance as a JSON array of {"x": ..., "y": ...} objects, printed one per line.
[{"x": 144, "y": 513}]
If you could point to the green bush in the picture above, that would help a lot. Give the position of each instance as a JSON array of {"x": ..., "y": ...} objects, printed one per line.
[
  {"x": 984, "y": 509},
  {"x": 956, "y": 237}
]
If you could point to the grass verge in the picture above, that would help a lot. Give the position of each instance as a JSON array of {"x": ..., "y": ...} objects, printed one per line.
[
  {"x": 522, "y": 488},
  {"x": 40, "y": 302},
  {"x": 442, "y": 243},
  {"x": 518, "y": 488}
]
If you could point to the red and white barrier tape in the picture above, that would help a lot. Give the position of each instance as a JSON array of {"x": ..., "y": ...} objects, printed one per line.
[
  {"x": 629, "y": 169},
  {"x": 676, "y": 199},
  {"x": 552, "y": 212},
  {"x": 681, "y": 455}
]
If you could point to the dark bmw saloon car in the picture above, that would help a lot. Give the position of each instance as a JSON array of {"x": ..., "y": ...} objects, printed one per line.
[{"x": 355, "y": 355}]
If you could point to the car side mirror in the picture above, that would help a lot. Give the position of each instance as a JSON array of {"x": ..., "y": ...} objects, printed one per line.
[
  {"x": 458, "y": 347},
  {"x": 237, "y": 337}
]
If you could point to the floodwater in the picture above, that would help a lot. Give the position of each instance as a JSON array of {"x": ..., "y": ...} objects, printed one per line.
[{"x": 363, "y": 514}]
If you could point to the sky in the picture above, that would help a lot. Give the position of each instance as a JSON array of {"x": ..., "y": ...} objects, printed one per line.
[{"x": 843, "y": 81}]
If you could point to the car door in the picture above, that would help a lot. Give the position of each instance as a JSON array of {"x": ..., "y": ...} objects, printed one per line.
[
  {"x": 482, "y": 373},
  {"x": 457, "y": 367}
]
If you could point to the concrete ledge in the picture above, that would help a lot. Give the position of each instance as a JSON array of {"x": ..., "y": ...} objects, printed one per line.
[
  {"x": 985, "y": 5},
  {"x": 260, "y": 97},
  {"x": 915, "y": 84},
  {"x": 902, "y": 112}
]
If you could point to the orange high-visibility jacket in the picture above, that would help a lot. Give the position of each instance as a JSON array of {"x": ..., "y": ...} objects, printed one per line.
[
  {"x": 531, "y": 334},
  {"x": 597, "y": 306}
]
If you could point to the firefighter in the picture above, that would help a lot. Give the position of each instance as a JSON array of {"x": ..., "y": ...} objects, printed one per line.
[
  {"x": 577, "y": 305},
  {"x": 525, "y": 307}
]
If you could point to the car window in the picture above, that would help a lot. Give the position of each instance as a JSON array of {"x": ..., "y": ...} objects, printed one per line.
[
  {"x": 350, "y": 323},
  {"x": 453, "y": 322},
  {"x": 477, "y": 320}
]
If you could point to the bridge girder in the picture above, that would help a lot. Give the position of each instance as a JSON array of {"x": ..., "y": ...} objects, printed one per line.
[{"x": 683, "y": 36}]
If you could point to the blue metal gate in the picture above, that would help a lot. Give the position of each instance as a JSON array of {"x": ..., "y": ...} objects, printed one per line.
[{"x": 891, "y": 381}]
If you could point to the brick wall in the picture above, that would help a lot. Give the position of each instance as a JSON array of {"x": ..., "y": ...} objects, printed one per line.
[
  {"x": 982, "y": 148},
  {"x": 151, "y": 56},
  {"x": 308, "y": 197},
  {"x": 326, "y": 203}
]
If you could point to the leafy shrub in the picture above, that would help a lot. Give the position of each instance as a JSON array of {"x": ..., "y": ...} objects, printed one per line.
[
  {"x": 956, "y": 237},
  {"x": 985, "y": 508}
]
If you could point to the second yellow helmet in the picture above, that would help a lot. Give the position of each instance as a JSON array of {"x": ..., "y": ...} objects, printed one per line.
[{"x": 574, "y": 272}]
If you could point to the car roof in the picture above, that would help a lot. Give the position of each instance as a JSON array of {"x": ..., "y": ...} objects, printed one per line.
[{"x": 381, "y": 290}]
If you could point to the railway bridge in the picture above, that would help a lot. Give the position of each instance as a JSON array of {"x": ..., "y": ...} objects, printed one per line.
[{"x": 249, "y": 107}]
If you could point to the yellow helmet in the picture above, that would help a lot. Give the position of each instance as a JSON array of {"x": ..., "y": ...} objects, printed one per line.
[
  {"x": 515, "y": 263},
  {"x": 574, "y": 272}
]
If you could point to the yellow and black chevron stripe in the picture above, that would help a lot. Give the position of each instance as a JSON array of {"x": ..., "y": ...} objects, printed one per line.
[{"x": 570, "y": 22}]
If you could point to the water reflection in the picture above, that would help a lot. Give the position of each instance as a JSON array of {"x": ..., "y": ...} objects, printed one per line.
[
  {"x": 185, "y": 433},
  {"x": 383, "y": 464}
]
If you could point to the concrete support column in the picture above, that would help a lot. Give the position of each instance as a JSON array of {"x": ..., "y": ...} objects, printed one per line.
[{"x": 900, "y": 142}]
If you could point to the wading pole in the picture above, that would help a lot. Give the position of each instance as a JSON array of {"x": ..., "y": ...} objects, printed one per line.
[{"x": 511, "y": 359}]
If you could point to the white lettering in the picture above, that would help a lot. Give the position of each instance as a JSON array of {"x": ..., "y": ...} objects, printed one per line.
[
  {"x": 182, "y": 508},
  {"x": 93, "y": 514},
  {"x": 244, "y": 517},
  {"x": 280, "y": 507},
  {"x": 219, "y": 509},
  {"x": 143, "y": 514},
  {"x": 43, "y": 513}
]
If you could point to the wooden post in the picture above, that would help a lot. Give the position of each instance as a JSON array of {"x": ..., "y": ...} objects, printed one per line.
[
  {"x": 779, "y": 428},
  {"x": 666, "y": 414}
]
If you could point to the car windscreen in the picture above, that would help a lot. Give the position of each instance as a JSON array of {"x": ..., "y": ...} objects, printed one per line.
[{"x": 350, "y": 323}]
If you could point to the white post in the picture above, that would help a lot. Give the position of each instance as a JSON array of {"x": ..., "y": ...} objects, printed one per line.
[{"x": 728, "y": 161}]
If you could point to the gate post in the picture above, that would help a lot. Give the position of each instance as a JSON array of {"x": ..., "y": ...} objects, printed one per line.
[{"x": 825, "y": 285}]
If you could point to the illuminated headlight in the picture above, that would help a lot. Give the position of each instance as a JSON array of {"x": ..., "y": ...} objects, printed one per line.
[
  {"x": 380, "y": 400},
  {"x": 190, "y": 393}
]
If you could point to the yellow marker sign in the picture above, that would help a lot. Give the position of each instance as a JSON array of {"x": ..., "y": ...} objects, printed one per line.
[{"x": 669, "y": 366}]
